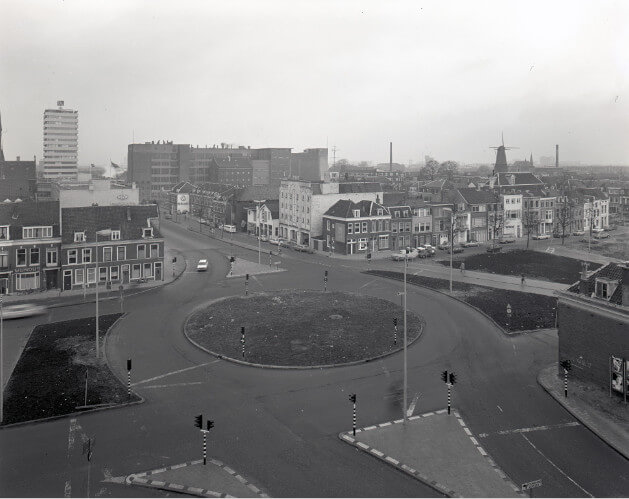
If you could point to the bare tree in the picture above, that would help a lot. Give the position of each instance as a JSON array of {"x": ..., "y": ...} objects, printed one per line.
[
  {"x": 448, "y": 168},
  {"x": 496, "y": 223},
  {"x": 430, "y": 169},
  {"x": 565, "y": 215},
  {"x": 530, "y": 221}
]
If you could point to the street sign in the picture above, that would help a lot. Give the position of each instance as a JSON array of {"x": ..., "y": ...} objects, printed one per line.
[
  {"x": 508, "y": 309},
  {"x": 532, "y": 485}
]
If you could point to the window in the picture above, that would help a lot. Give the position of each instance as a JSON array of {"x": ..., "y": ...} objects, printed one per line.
[
  {"x": 374, "y": 226},
  {"x": 549, "y": 214},
  {"x": 79, "y": 237},
  {"x": 34, "y": 256},
  {"x": 27, "y": 281},
  {"x": 141, "y": 251},
  {"x": 407, "y": 226},
  {"x": 135, "y": 271},
  {"x": 362, "y": 244},
  {"x": 383, "y": 242},
  {"x": 380, "y": 212},
  {"x": 357, "y": 213},
  {"x": 148, "y": 270},
  {"x": 477, "y": 208},
  {"x": 154, "y": 251},
  {"x": 21, "y": 257},
  {"x": 4, "y": 232},
  {"x": 4, "y": 260},
  {"x": 115, "y": 235},
  {"x": 397, "y": 214},
  {"x": 86, "y": 254},
  {"x": 36, "y": 233},
  {"x": 365, "y": 227},
  {"x": 102, "y": 274},
  {"x": 121, "y": 253},
  {"x": 72, "y": 257},
  {"x": 406, "y": 213},
  {"x": 327, "y": 224},
  {"x": 357, "y": 228},
  {"x": 113, "y": 274},
  {"x": 51, "y": 256},
  {"x": 78, "y": 276},
  {"x": 147, "y": 232},
  {"x": 91, "y": 275},
  {"x": 394, "y": 227},
  {"x": 350, "y": 228},
  {"x": 107, "y": 254}
]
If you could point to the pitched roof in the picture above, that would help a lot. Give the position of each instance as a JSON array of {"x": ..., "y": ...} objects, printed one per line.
[
  {"x": 344, "y": 208},
  {"x": 610, "y": 271},
  {"x": 473, "y": 196},
  {"x": 520, "y": 178},
  {"x": 183, "y": 188},
  {"x": 345, "y": 187},
  {"x": 129, "y": 220},
  {"x": 439, "y": 183},
  {"x": 29, "y": 213},
  {"x": 274, "y": 208}
]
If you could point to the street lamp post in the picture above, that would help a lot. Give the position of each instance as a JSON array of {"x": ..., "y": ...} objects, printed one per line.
[
  {"x": 403, "y": 299},
  {"x": 104, "y": 232},
  {"x": 451, "y": 241},
  {"x": 259, "y": 204},
  {"x": 1, "y": 363}
]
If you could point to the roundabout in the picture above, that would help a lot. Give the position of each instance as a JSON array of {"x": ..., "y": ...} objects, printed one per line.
[{"x": 300, "y": 328}]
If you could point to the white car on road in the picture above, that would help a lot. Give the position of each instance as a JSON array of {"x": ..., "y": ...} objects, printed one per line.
[
  {"x": 202, "y": 265},
  {"x": 22, "y": 310},
  {"x": 541, "y": 236}
]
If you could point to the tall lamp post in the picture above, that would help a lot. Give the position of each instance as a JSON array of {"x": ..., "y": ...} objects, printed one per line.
[
  {"x": 403, "y": 293},
  {"x": 258, "y": 206},
  {"x": 451, "y": 210},
  {"x": 104, "y": 232},
  {"x": 1, "y": 363}
]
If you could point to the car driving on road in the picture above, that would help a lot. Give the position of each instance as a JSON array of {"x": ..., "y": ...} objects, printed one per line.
[
  {"x": 470, "y": 244},
  {"x": 202, "y": 265},
  {"x": 539, "y": 237},
  {"x": 20, "y": 310}
]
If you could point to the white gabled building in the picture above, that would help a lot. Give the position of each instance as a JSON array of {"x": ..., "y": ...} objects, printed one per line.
[{"x": 512, "y": 223}]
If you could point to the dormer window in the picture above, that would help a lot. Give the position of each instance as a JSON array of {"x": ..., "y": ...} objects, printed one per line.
[
  {"x": 357, "y": 213},
  {"x": 4, "y": 232},
  {"x": 380, "y": 211},
  {"x": 115, "y": 235},
  {"x": 79, "y": 237},
  {"x": 147, "y": 232},
  {"x": 605, "y": 288}
]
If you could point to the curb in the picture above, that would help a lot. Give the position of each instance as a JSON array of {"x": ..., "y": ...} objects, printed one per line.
[
  {"x": 588, "y": 424},
  {"x": 502, "y": 329},
  {"x": 139, "y": 479},
  {"x": 438, "y": 487},
  {"x": 272, "y": 366},
  {"x": 97, "y": 409}
]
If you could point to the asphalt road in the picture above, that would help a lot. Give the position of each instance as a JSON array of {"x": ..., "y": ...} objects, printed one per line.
[{"x": 279, "y": 428}]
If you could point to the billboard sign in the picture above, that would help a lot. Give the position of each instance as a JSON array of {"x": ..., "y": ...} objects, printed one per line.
[{"x": 617, "y": 374}]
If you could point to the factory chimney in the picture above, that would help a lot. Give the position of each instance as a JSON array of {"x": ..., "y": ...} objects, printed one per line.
[
  {"x": 390, "y": 156},
  {"x": 557, "y": 156}
]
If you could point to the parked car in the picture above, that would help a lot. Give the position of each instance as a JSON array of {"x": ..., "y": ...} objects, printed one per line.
[
  {"x": 596, "y": 230},
  {"x": 507, "y": 240},
  {"x": 303, "y": 248},
  {"x": 494, "y": 249},
  {"x": 228, "y": 228},
  {"x": 470, "y": 244},
  {"x": 264, "y": 238},
  {"x": 168, "y": 216},
  {"x": 202, "y": 265},
  {"x": 430, "y": 249},
  {"x": 610, "y": 228},
  {"x": 456, "y": 249},
  {"x": 587, "y": 240},
  {"x": 402, "y": 254},
  {"x": 601, "y": 235},
  {"x": 539, "y": 237},
  {"x": 578, "y": 233},
  {"x": 422, "y": 252},
  {"x": 444, "y": 246},
  {"x": 22, "y": 310}
]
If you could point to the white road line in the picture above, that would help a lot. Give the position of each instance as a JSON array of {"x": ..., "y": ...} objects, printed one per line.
[
  {"x": 467, "y": 431},
  {"x": 539, "y": 428},
  {"x": 474, "y": 441},
  {"x": 411, "y": 407},
  {"x": 67, "y": 490},
  {"x": 367, "y": 284},
  {"x": 175, "y": 384},
  {"x": 499, "y": 408},
  {"x": 556, "y": 467},
  {"x": 174, "y": 372},
  {"x": 364, "y": 446}
]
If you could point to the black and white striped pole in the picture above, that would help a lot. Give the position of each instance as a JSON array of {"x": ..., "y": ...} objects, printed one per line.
[
  {"x": 567, "y": 365},
  {"x": 325, "y": 280},
  {"x": 246, "y": 284},
  {"x": 395, "y": 330},
  {"x": 242, "y": 340},
  {"x": 129, "y": 377},
  {"x": 449, "y": 379},
  {"x": 352, "y": 399}
]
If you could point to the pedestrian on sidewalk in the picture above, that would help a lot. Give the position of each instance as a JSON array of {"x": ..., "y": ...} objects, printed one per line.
[
  {"x": 463, "y": 268},
  {"x": 522, "y": 279}
]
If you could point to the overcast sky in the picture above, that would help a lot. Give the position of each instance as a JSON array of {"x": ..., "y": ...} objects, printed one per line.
[{"x": 438, "y": 78}]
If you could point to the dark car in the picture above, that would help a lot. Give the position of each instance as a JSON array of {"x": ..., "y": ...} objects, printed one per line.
[
  {"x": 303, "y": 248},
  {"x": 507, "y": 240},
  {"x": 456, "y": 249},
  {"x": 444, "y": 246},
  {"x": 494, "y": 249}
]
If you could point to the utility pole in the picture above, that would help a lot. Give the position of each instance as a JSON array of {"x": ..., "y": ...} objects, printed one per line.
[
  {"x": 1, "y": 361},
  {"x": 404, "y": 416}
]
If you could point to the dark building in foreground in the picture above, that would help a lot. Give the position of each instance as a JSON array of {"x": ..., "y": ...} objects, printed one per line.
[
  {"x": 593, "y": 317},
  {"x": 18, "y": 180}
]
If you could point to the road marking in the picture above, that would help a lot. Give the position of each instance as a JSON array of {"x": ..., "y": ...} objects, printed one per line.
[
  {"x": 67, "y": 490},
  {"x": 411, "y": 407},
  {"x": 367, "y": 284},
  {"x": 499, "y": 408},
  {"x": 539, "y": 428},
  {"x": 467, "y": 431},
  {"x": 175, "y": 384},
  {"x": 174, "y": 372},
  {"x": 384, "y": 368},
  {"x": 557, "y": 467}
]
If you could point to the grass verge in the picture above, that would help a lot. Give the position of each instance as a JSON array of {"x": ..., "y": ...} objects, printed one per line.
[
  {"x": 533, "y": 264},
  {"x": 49, "y": 378},
  {"x": 301, "y": 328},
  {"x": 528, "y": 310}
]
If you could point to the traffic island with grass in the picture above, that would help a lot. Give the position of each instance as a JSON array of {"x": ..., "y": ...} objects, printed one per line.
[
  {"x": 301, "y": 328},
  {"x": 49, "y": 378},
  {"x": 532, "y": 264},
  {"x": 529, "y": 311}
]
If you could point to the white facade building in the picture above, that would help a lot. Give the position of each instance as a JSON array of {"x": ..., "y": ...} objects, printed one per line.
[
  {"x": 512, "y": 206},
  {"x": 596, "y": 210},
  {"x": 263, "y": 220},
  {"x": 303, "y": 204},
  {"x": 95, "y": 192},
  {"x": 61, "y": 142}
]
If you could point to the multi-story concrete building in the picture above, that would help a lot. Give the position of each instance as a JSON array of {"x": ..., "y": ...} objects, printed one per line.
[
  {"x": 279, "y": 163},
  {"x": 30, "y": 241},
  {"x": 154, "y": 167},
  {"x": 303, "y": 203},
  {"x": 312, "y": 164},
  {"x": 61, "y": 142},
  {"x": 100, "y": 192},
  {"x": 356, "y": 227}
]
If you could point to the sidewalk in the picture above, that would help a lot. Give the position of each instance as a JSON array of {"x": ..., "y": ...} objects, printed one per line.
[
  {"x": 242, "y": 267},
  {"x": 439, "y": 450},
  {"x": 57, "y": 298},
  {"x": 607, "y": 417},
  {"x": 214, "y": 479}
]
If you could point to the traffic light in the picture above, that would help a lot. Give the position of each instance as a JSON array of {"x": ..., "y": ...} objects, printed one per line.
[
  {"x": 242, "y": 330},
  {"x": 352, "y": 398},
  {"x": 210, "y": 425},
  {"x": 128, "y": 364},
  {"x": 198, "y": 421},
  {"x": 232, "y": 259},
  {"x": 566, "y": 364},
  {"x": 326, "y": 273},
  {"x": 395, "y": 321},
  {"x": 444, "y": 376},
  {"x": 452, "y": 378},
  {"x": 174, "y": 259}
]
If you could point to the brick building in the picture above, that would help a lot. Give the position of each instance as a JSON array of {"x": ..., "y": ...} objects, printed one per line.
[
  {"x": 133, "y": 250},
  {"x": 30, "y": 243},
  {"x": 401, "y": 226},
  {"x": 356, "y": 227},
  {"x": 18, "y": 180},
  {"x": 593, "y": 317}
]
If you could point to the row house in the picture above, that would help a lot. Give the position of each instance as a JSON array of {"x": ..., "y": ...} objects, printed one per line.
[
  {"x": 356, "y": 227},
  {"x": 569, "y": 211},
  {"x": 539, "y": 207},
  {"x": 477, "y": 212},
  {"x": 401, "y": 226},
  {"x": 596, "y": 211},
  {"x": 211, "y": 202},
  {"x": 263, "y": 219},
  {"x": 111, "y": 245},
  {"x": 618, "y": 202},
  {"x": 175, "y": 200},
  {"x": 421, "y": 223},
  {"x": 512, "y": 214},
  {"x": 30, "y": 242}
]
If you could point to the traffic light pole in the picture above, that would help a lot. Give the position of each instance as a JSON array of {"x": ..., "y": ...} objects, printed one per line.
[
  {"x": 242, "y": 340},
  {"x": 352, "y": 399},
  {"x": 204, "y": 446},
  {"x": 565, "y": 383},
  {"x": 449, "y": 397},
  {"x": 404, "y": 417}
]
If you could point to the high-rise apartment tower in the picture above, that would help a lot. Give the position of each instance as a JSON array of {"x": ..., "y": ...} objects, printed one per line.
[{"x": 61, "y": 142}]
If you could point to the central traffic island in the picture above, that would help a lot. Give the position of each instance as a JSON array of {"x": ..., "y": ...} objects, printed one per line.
[{"x": 301, "y": 328}]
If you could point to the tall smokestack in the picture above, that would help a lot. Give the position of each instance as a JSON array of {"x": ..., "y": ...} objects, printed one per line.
[
  {"x": 557, "y": 156},
  {"x": 390, "y": 156}
]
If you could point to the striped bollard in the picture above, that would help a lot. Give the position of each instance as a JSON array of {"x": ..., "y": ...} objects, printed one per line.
[
  {"x": 242, "y": 340},
  {"x": 129, "y": 377},
  {"x": 567, "y": 365},
  {"x": 352, "y": 398},
  {"x": 204, "y": 447},
  {"x": 449, "y": 397},
  {"x": 395, "y": 330}
]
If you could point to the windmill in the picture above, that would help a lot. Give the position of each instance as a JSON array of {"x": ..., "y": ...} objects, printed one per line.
[{"x": 501, "y": 156}]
